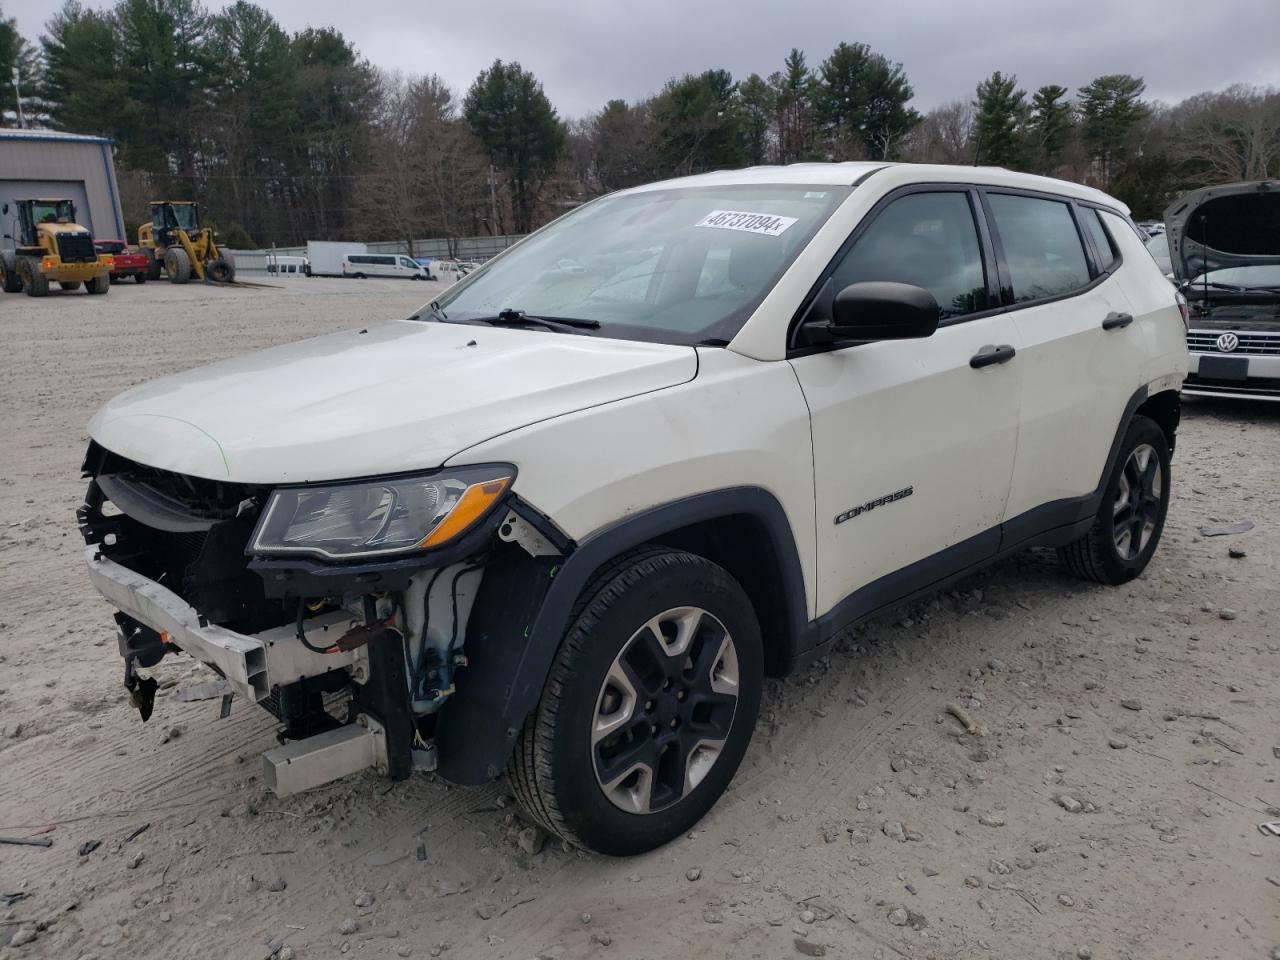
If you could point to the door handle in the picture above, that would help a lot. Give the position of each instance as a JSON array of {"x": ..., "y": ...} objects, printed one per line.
[
  {"x": 1117, "y": 321},
  {"x": 989, "y": 355}
]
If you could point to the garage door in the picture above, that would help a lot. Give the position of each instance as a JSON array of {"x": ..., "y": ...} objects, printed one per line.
[{"x": 72, "y": 189}]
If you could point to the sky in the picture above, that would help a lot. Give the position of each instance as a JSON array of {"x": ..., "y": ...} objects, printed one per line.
[{"x": 586, "y": 52}]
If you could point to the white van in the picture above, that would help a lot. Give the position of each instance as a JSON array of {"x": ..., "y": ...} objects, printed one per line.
[
  {"x": 361, "y": 265},
  {"x": 291, "y": 267}
]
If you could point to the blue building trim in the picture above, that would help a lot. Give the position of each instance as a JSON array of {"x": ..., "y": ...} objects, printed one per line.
[{"x": 31, "y": 138}]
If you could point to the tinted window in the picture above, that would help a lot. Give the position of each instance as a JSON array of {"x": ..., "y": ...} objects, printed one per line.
[
  {"x": 925, "y": 239},
  {"x": 1041, "y": 246},
  {"x": 1101, "y": 239}
]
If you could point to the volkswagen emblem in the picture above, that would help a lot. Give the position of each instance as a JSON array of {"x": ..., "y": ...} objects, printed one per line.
[{"x": 1228, "y": 342}]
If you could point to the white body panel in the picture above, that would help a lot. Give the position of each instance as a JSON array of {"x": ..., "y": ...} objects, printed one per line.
[
  {"x": 908, "y": 414},
  {"x": 326, "y": 256},
  {"x": 1164, "y": 362},
  {"x": 1074, "y": 376},
  {"x": 402, "y": 396},
  {"x": 740, "y": 423}
]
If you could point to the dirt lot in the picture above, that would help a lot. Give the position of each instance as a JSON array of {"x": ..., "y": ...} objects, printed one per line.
[{"x": 864, "y": 823}]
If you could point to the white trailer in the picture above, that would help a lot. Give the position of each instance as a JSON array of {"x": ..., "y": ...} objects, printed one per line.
[{"x": 326, "y": 256}]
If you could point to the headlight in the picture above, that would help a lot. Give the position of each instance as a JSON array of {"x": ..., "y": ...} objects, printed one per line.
[{"x": 374, "y": 518}]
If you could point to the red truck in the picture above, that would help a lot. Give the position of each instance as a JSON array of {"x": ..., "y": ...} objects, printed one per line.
[{"x": 125, "y": 264}]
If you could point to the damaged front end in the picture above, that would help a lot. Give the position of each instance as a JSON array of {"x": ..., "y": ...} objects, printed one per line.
[{"x": 344, "y": 609}]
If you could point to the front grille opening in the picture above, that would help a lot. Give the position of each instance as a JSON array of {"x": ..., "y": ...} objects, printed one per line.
[
  {"x": 76, "y": 248},
  {"x": 188, "y": 534}
]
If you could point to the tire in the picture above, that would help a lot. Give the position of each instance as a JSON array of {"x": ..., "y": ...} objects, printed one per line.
[
  {"x": 177, "y": 265},
  {"x": 69, "y": 284},
  {"x": 35, "y": 283},
  {"x": 98, "y": 285},
  {"x": 591, "y": 790},
  {"x": 10, "y": 282},
  {"x": 155, "y": 269},
  {"x": 219, "y": 271},
  {"x": 139, "y": 278},
  {"x": 1137, "y": 494},
  {"x": 359, "y": 276}
]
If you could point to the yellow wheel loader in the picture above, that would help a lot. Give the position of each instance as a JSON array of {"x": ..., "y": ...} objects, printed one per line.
[
  {"x": 180, "y": 248},
  {"x": 44, "y": 244}
]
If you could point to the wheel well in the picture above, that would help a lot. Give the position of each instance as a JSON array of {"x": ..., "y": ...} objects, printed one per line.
[
  {"x": 1165, "y": 409},
  {"x": 742, "y": 545}
]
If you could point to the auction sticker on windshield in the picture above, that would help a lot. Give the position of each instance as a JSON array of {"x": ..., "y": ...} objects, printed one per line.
[{"x": 763, "y": 223}]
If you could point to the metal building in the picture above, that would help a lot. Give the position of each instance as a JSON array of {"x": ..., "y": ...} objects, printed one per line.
[{"x": 45, "y": 163}]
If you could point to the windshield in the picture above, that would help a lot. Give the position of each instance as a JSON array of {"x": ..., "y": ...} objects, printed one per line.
[
  {"x": 181, "y": 216},
  {"x": 684, "y": 265},
  {"x": 53, "y": 211}
]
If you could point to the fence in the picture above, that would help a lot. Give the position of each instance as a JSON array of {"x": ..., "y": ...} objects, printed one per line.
[{"x": 464, "y": 248}]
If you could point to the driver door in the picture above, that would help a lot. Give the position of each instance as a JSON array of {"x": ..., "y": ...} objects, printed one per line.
[{"x": 913, "y": 445}]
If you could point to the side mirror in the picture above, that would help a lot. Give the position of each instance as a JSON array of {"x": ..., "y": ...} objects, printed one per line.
[{"x": 877, "y": 310}]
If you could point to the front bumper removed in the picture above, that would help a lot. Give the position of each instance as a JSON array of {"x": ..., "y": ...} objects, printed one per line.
[
  {"x": 252, "y": 665},
  {"x": 255, "y": 665}
]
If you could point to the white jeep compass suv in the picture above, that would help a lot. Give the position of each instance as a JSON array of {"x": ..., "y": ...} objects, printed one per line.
[{"x": 563, "y": 521}]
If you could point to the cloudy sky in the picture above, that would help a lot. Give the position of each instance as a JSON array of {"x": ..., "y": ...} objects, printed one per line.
[{"x": 588, "y": 51}]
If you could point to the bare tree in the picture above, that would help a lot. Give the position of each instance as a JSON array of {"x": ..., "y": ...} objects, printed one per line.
[
  {"x": 944, "y": 135},
  {"x": 1232, "y": 135}
]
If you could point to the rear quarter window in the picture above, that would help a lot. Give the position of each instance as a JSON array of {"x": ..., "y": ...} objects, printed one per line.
[{"x": 1101, "y": 239}]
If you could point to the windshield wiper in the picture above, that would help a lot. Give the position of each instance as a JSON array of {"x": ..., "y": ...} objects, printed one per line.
[{"x": 518, "y": 318}]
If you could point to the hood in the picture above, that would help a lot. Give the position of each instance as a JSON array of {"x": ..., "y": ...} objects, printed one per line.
[
  {"x": 1230, "y": 225},
  {"x": 396, "y": 397}
]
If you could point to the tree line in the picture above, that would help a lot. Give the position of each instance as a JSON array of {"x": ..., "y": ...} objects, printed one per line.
[{"x": 285, "y": 136}]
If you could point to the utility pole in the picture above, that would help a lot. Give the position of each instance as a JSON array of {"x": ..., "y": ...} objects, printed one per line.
[{"x": 17, "y": 92}]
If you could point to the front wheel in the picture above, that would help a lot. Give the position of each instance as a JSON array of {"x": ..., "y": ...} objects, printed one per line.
[
  {"x": 1135, "y": 501},
  {"x": 177, "y": 265},
  {"x": 648, "y": 708}
]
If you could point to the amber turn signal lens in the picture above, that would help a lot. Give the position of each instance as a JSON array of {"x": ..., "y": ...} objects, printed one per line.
[{"x": 478, "y": 498}]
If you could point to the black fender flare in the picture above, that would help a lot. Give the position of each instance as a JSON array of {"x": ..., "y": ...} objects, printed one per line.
[{"x": 523, "y": 611}]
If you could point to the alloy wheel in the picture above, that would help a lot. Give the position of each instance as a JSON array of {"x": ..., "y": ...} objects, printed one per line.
[
  {"x": 1138, "y": 500},
  {"x": 665, "y": 710}
]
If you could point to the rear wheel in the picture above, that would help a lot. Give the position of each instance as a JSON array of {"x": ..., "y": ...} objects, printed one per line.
[
  {"x": 35, "y": 283},
  {"x": 140, "y": 278},
  {"x": 10, "y": 282},
  {"x": 177, "y": 265},
  {"x": 1127, "y": 528},
  {"x": 98, "y": 284},
  {"x": 219, "y": 271},
  {"x": 155, "y": 269},
  {"x": 648, "y": 708}
]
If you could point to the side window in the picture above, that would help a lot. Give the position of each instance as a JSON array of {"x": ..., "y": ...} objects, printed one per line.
[
  {"x": 1101, "y": 239},
  {"x": 926, "y": 239},
  {"x": 1041, "y": 246}
]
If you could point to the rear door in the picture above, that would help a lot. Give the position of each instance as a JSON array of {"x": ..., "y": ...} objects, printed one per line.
[
  {"x": 913, "y": 445},
  {"x": 1081, "y": 352}
]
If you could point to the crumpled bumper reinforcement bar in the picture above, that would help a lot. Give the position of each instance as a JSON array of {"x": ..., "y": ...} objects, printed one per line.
[{"x": 252, "y": 665}]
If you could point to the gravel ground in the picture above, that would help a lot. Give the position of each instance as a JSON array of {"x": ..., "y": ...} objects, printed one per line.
[{"x": 1128, "y": 743}]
